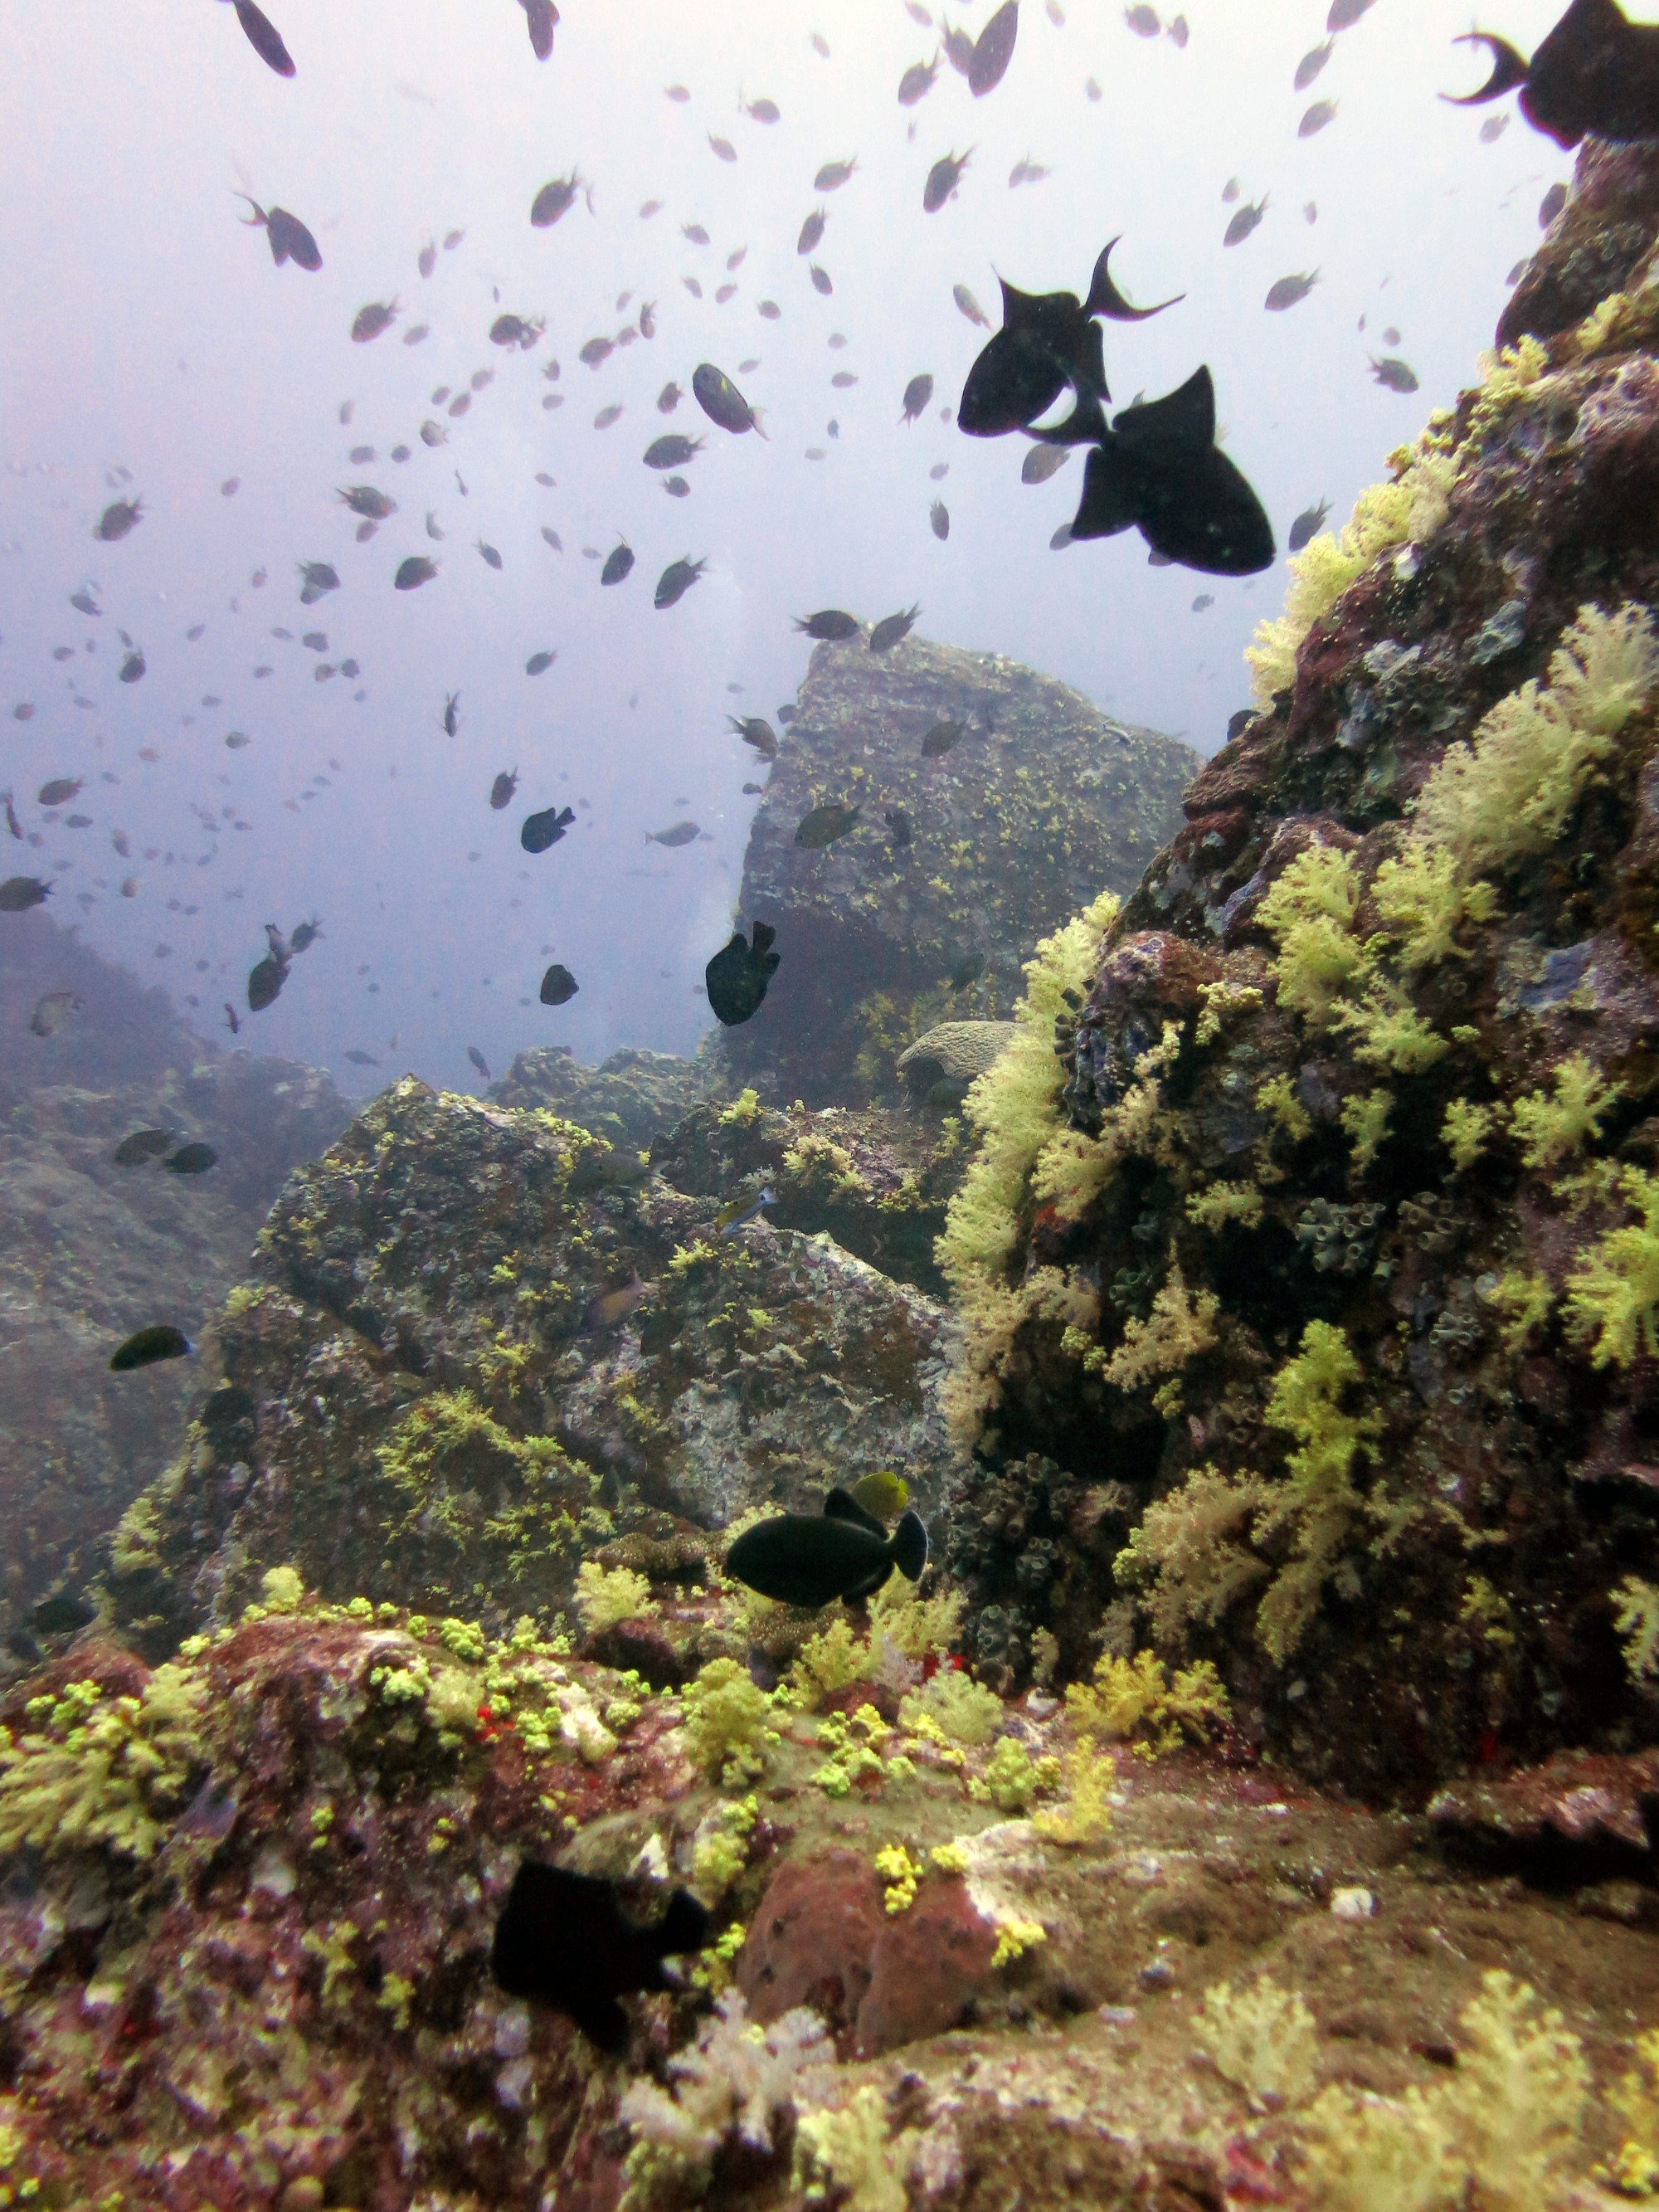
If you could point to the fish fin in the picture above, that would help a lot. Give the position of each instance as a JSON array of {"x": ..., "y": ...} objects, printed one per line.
[
  {"x": 1509, "y": 68},
  {"x": 910, "y": 1546},
  {"x": 1105, "y": 299},
  {"x": 841, "y": 1505},
  {"x": 683, "y": 1927},
  {"x": 763, "y": 935},
  {"x": 1018, "y": 306},
  {"x": 258, "y": 216},
  {"x": 1183, "y": 419},
  {"x": 1085, "y": 426},
  {"x": 603, "y": 2021},
  {"x": 759, "y": 427}
]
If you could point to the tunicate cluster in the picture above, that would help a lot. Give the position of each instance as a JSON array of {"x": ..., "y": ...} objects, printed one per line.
[{"x": 1340, "y": 1239}]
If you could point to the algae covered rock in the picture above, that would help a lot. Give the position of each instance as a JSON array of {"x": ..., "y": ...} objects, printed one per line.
[
  {"x": 629, "y": 1099},
  {"x": 1333, "y": 1257},
  {"x": 1037, "y": 803},
  {"x": 480, "y": 1344}
]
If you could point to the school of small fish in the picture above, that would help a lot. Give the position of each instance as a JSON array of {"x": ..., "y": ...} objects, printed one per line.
[{"x": 1155, "y": 465}]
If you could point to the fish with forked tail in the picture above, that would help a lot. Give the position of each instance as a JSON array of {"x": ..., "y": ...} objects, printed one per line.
[{"x": 806, "y": 1559}]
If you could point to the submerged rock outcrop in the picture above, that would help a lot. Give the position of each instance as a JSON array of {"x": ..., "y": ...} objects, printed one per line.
[
  {"x": 1036, "y": 801},
  {"x": 1319, "y": 1296},
  {"x": 90, "y": 1251}
]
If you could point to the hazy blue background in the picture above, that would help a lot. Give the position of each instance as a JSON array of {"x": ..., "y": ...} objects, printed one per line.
[{"x": 144, "y": 329}]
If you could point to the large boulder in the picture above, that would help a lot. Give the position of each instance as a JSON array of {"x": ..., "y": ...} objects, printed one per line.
[
  {"x": 1326, "y": 1332},
  {"x": 1039, "y": 804},
  {"x": 479, "y": 1343}
]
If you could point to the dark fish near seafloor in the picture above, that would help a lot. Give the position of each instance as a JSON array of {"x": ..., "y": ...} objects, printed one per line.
[
  {"x": 51, "y": 1010},
  {"x": 830, "y": 625},
  {"x": 478, "y": 1061},
  {"x": 190, "y": 1160},
  {"x": 825, "y": 825},
  {"x": 19, "y": 893},
  {"x": 147, "y": 1347},
  {"x": 610, "y": 1309},
  {"x": 143, "y": 1144},
  {"x": 563, "y": 1939},
  {"x": 755, "y": 730},
  {"x": 893, "y": 628},
  {"x": 940, "y": 739},
  {"x": 806, "y": 1559},
  {"x": 61, "y": 1614},
  {"x": 736, "y": 977}
]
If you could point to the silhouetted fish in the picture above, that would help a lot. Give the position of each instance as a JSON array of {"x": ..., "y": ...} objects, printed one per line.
[
  {"x": 501, "y": 791},
  {"x": 451, "y": 717},
  {"x": 611, "y": 1308},
  {"x": 413, "y": 571},
  {"x": 939, "y": 519},
  {"x": 1308, "y": 525},
  {"x": 118, "y": 518},
  {"x": 676, "y": 580},
  {"x": 368, "y": 322},
  {"x": 563, "y": 1939},
  {"x": 19, "y": 893},
  {"x": 671, "y": 450},
  {"x": 808, "y": 1560},
  {"x": 478, "y": 1061},
  {"x": 61, "y": 1614},
  {"x": 1160, "y": 469},
  {"x": 540, "y": 16},
  {"x": 917, "y": 82},
  {"x": 721, "y": 401},
  {"x": 830, "y": 625},
  {"x": 1595, "y": 74},
  {"x": 146, "y": 1347},
  {"x": 917, "y": 393},
  {"x": 264, "y": 37},
  {"x": 1289, "y": 291},
  {"x": 1245, "y": 222},
  {"x": 994, "y": 50},
  {"x": 1048, "y": 340},
  {"x": 943, "y": 180},
  {"x": 558, "y": 986},
  {"x": 545, "y": 830},
  {"x": 1396, "y": 375},
  {"x": 618, "y": 563},
  {"x": 554, "y": 198},
  {"x": 288, "y": 238},
  {"x": 736, "y": 977},
  {"x": 265, "y": 982},
  {"x": 891, "y": 628}
]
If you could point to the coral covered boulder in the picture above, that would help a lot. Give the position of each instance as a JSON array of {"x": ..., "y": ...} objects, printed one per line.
[{"x": 1315, "y": 1287}]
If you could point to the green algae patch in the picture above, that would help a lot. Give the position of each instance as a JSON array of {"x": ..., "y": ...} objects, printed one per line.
[{"x": 93, "y": 1770}]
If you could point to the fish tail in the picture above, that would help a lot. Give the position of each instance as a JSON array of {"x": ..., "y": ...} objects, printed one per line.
[
  {"x": 258, "y": 216},
  {"x": 910, "y": 1546},
  {"x": 756, "y": 415}
]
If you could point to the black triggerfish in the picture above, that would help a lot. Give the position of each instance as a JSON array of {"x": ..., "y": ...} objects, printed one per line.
[{"x": 801, "y": 1558}]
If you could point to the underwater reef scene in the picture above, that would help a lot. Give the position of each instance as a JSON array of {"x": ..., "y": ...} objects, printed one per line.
[{"x": 1250, "y": 1277}]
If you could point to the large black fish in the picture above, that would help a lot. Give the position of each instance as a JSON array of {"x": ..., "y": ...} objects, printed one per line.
[
  {"x": 1048, "y": 340},
  {"x": 148, "y": 1346},
  {"x": 19, "y": 893},
  {"x": 807, "y": 1559},
  {"x": 289, "y": 238},
  {"x": 563, "y": 1939},
  {"x": 736, "y": 977},
  {"x": 265, "y": 982},
  {"x": 1595, "y": 74},
  {"x": 559, "y": 986},
  {"x": 264, "y": 37},
  {"x": 1159, "y": 469},
  {"x": 994, "y": 50},
  {"x": 545, "y": 830}
]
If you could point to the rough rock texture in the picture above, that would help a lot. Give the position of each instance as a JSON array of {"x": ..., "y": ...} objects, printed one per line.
[
  {"x": 427, "y": 1404},
  {"x": 1042, "y": 803},
  {"x": 89, "y": 1251},
  {"x": 1390, "y": 1399},
  {"x": 256, "y": 1974},
  {"x": 875, "y": 1180},
  {"x": 629, "y": 1099},
  {"x": 1606, "y": 227}
]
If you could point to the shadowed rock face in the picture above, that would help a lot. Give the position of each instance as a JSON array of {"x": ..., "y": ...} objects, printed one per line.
[
  {"x": 1040, "y": 803},
  {"x": 90, "y": 1252},
  {"x": 1442, "y": 1586},
  {"x": 629, "y": 1098}
]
